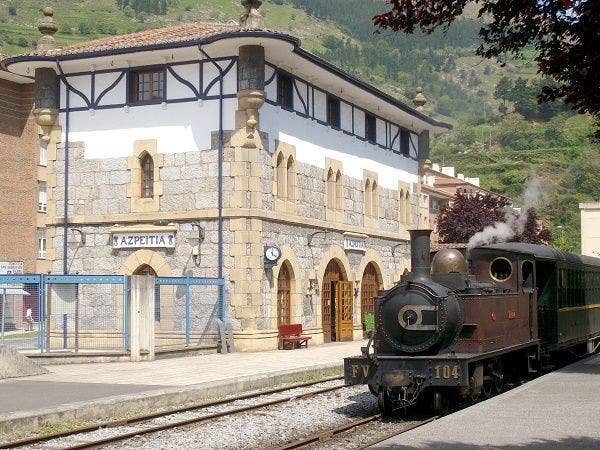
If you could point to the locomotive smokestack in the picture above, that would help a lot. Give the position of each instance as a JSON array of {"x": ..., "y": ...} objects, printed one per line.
[{"x": 420, "y": 247}]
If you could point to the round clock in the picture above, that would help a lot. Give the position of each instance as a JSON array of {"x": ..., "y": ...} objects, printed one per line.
[{"x": 272, "y": 253}]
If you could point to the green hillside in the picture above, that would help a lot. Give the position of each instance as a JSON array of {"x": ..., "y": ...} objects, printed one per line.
[{"x": 504, "y": 149}]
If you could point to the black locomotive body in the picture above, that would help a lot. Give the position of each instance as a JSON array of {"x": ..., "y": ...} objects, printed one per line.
[{"x": 446, "y": 331}]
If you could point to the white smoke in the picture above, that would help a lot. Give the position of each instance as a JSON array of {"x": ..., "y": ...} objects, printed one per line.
[{"x": 514, "y": 219}]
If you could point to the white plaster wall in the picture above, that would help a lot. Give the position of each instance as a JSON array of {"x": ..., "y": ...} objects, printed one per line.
[
  {"x": 177, "y": 127},
  {"x": 298, "y": 105},
  {"x": 380, "y": 131},
  {"x": 190, "y": 73},
  {"x": 346, "y": 117},
  {"x": 83, "y": 84},
  {"x": 359, "y": 122},
  {"x": 230, "y": 79},
  {"x": 114, "y": 96},
  {"x": 320, "y": 105},
  {"x": 314, "y": 142},
  {"x": 394, "y": 130}
]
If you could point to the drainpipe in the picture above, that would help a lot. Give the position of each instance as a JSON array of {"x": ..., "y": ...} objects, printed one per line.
[
  {"x": 220, "y": 171},
  {"x": 66, "y": 194}
]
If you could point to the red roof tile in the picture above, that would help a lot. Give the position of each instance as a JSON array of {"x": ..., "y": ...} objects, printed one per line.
[{"x": 187, "y": 32}]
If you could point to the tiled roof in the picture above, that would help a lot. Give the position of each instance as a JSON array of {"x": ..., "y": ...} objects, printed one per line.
[{"x": 187, "y": 32}]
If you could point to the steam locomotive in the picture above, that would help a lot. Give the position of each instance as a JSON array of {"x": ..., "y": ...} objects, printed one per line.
[{"x": 455, "y": 327}]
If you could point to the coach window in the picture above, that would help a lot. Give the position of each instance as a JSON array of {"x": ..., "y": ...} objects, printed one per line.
[
  {"x": 285, "y": 91},
  {"x": 147, "y": 86},
  {"x": 500, "y": 269},
  {"x": 527, "y": 272}
]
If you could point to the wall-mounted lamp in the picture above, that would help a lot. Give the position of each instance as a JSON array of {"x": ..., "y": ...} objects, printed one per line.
[
  {"x": 395, "y": 246},
  {"x": 312, "y": 235},
  {"x": 356, "y": 288},
  {"x": 197, "y": 240},
  {"x": 81, "y": 241}
]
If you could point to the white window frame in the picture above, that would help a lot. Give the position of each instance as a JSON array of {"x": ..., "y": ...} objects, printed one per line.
[
  {"x": 43, "y": 154},
  {"x": 42, "y": 197},
  {"x": 41, "y": 244}
]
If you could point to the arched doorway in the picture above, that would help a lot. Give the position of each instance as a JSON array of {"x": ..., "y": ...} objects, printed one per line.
[
  {"x": 284, "y": 297},
  {"x": 145, "y": 269},
  {"x": 368, "y": 291},
  {"x": 336, "y": 301}
]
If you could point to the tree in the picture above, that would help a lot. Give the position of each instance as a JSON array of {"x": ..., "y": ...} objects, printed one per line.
[
  {"x": 472, "y": 214},
  {"x": 564, "y": 33}
]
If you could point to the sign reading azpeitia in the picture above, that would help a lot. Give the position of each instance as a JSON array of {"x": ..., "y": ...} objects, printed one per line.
[
  {"x": 355, "y": 242},
  {"x": 144, "y": 240}
]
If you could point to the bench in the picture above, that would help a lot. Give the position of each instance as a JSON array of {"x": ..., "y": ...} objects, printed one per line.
[{"x": 290, "y": 337}]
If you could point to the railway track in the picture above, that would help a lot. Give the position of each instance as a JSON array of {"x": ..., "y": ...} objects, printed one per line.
[
  {"x": 330, "y": 438},
  {"x": 137, "y": 420}
]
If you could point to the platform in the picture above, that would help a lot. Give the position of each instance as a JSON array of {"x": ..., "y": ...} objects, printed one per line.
[
  {"x": 560, "y": 410},
  {"x": 78, "y": 392}
]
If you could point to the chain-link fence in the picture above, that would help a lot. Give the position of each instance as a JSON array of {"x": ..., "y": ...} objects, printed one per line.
[
  {"x": 20, "y": 311},
  {"x": 73, "y": 313},
  {"x": 85, "y": 313},
  {"x": 187, "y": 311}
]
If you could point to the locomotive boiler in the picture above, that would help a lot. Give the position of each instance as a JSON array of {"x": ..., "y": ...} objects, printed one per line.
[{"x": 450, "y": 329}]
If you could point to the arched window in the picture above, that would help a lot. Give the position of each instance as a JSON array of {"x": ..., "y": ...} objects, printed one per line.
[
  {"x": 402, "y": 207},
  {"x": 291, "y": 178},
  {"x": 284, "y": 282},
  {"x": 339, "y": 191},
  {"x": 281, "y": 176},
  {"x": 147, "y": 166},
  {"x": 374, "y": 200},
  {"x": 368, "y": 198},
  {"x": 331, "y": 191}
]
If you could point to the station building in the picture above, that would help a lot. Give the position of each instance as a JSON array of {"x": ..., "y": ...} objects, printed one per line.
[{"x": 225, "y": 150}]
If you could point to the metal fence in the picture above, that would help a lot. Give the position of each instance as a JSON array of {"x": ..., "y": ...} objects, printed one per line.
[
  {"x": 187, "y": 311},
  {"x": 73, "y": 313},
  {"x": 21, "y": 310}
]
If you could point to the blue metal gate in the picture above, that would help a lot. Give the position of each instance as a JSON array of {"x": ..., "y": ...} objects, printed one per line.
[{"x": 188, "y": 311}]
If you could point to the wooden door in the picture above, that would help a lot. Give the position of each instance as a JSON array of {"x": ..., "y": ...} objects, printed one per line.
[
  {"x": 283, "y": 296},
  {"x": 368, "y": 291},
  {"x": 344, "y": 298},
  {"x": 333, "y": 274}
]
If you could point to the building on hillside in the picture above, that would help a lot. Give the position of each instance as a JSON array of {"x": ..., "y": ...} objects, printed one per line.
[
  {"x": 439, "y": 186},
  {"x": 590, "y": 228},
  {"x": 228, "y": 151},
  {"x": 22, "y": 190}
]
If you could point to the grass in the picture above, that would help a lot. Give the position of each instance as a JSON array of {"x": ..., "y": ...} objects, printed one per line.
[{"x": 74, "y": 16}]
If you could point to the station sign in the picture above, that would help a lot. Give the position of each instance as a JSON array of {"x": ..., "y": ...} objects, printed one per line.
[
  {"x": 355, "y": 242},
  {"x": 143, "y": 240}
]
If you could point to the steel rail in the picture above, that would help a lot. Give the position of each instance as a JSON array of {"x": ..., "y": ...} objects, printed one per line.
[
  {"x": 168, "y": 412},
  {"x": 124, "y": 436},
  {"x": 327, "y": 435},
  {"x": 396, "y": 433},
  {"x": 323, "y": 436}
]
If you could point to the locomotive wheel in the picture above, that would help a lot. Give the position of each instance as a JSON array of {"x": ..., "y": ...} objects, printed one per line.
[
  {"x": 384, "y": 402},
  {"x": 441, "y": 403},
  {"x": 374, "y": 389},
  {"x": 488, "y": 386},
  {"x": 498, "y": 378}
]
